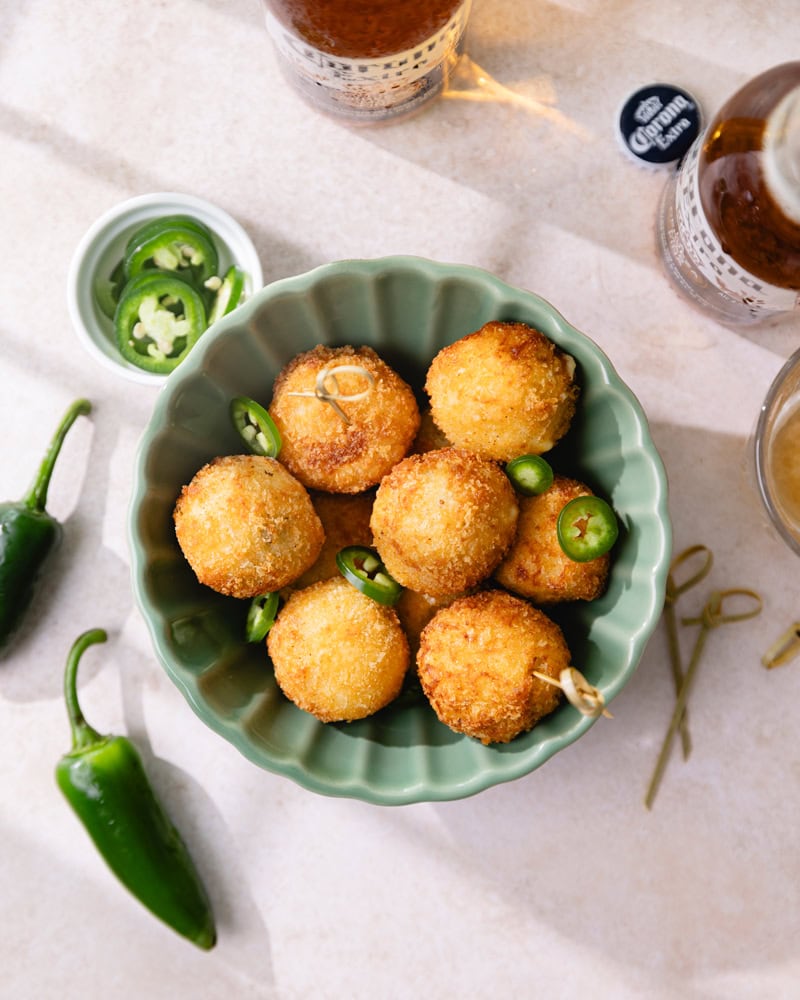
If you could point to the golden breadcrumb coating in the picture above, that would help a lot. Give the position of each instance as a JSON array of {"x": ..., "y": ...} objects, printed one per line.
[
  {"x": 476, "y": 662},
  {"x": 415, "y": 610},
  {"x": 442, "y": 521},
  {"x": 429, "y": 436},
  {"x": 536, "y": 566},
  {"x": 323, "y": 451},
  {"x": 337, "y": 654},
  {"x": 505, "y": 390},
  {"x": 345, "y": 520},
  {"x": 247, "y": 526}
]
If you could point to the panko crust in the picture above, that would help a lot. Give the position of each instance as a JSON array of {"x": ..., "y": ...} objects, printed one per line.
[
  {"x": 415, "y": 610},
  {"x": 323, "y": 451},
  {"x": 246, "y": 526},
  {"x": 503, "y": 391},
  {"x": 443, "y": 520},
  {"x": 338, "y": 654},
  {"x": 476, "y": 665},
  {"x": 535, "y": 566},
  {"x": 429, "y": 436},
  {"x": 345, "y": 520}
]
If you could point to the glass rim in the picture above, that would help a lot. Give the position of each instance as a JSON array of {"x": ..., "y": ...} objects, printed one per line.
[{"x": 762, "y": 478}]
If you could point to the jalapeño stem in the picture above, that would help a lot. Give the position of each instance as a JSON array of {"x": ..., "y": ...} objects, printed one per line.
[
  {"x": 83, "y": 735},
  {"x": 36, "y": 497}
]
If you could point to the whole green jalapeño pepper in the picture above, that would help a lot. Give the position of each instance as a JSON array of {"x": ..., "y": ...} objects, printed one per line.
[
  {"x": 28, "y": 533},
  {"x": 103, "y": 779}
]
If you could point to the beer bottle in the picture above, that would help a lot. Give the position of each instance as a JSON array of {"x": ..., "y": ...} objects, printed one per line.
[
  {"x": 366, "y": 61},
  {"x": 729, "y": 222}
]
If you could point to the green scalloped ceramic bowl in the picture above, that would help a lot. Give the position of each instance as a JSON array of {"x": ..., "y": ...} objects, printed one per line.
[{"x": 407, "y": 309}]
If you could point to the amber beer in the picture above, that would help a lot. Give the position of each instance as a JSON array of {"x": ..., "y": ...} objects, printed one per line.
[
  {"x": 729, "y": 226},
  {"x": 367, "y": 61},
  {"x": 774, "y": 450}
]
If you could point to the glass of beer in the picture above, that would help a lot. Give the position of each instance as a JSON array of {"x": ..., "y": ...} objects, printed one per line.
[
  {"x": 367, "y": 61},
  {"x": 777, "y": 452}
]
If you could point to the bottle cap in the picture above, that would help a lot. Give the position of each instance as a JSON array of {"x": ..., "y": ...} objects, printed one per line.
[{"x": 658, "y": 123}]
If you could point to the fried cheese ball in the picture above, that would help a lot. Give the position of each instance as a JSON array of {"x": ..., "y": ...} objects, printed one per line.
[
  {"x": 476, "y": 662},
  {"x": 319, "y": 447},
  {"x": 246, "y": 525},
  {"x": 345, "y": 520},
  {"x": 503, "y": 391},
  {"x": 442, "y": 521},
  {"x": 536, "y": 566},
  {"x": 337, "y": 653},
  {"x": 429, "y": 437},
  {"x": 415, "y": 610}
]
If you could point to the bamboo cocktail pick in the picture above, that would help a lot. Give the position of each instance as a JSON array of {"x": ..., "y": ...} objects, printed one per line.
[
  {"x": 673, "y": 592},
  {"x": 712, "y": 616}
]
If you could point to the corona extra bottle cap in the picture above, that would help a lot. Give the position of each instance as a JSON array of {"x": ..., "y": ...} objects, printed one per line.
[{"x": 658, "y": 123}]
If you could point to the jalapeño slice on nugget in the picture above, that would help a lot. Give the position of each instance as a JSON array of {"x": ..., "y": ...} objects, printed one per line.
[
  {"x": 530, "y": 474},
  {"x": 256, "y": 426},
  {"x": 586, "y": 528},
  {"x": 261, "y": 616},
  {"x": 362, "y": 566}
]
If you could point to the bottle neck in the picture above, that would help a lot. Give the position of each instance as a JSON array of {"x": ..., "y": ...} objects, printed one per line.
[{"x": 782, "y": 154}]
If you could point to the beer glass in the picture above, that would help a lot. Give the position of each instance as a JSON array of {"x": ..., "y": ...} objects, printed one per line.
[
  {"x": 776, "y": 447},
  {"x": 367, "y": 61}
]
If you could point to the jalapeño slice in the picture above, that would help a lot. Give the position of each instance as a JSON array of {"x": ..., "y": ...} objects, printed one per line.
[
  {"x": 158, "y": 320},
  {"x": 530, "y": 474},
  {"x": 261, "y": 616},
  {"x": 587, "y": 528},
  {"x": 107, "y": 291},
  {"x": 228, "y": 295},
  {"x": 362, "y": 566},
  {"x": 181, "y": 248},
  {"x": 255, "y": 426},
  {"x": 157, "y": 226}
]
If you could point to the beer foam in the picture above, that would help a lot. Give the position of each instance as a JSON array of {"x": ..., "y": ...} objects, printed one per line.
[{"x": 782, "y": 154}]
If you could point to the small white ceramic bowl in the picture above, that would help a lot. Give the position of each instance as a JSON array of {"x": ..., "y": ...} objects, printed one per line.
[{"x": 102, "y": 247}]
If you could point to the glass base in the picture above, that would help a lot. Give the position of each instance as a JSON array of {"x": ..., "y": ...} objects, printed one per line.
[{"x": 373, "y": 108}]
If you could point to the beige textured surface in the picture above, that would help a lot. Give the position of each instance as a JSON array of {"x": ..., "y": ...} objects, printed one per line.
[{"x": 559, "y": 884}]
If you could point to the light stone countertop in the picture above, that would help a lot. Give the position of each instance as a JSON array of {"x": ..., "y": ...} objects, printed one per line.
[{"x": 560, "y": 884}]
